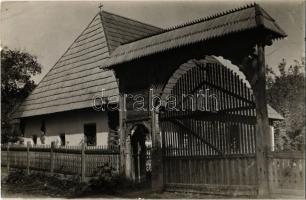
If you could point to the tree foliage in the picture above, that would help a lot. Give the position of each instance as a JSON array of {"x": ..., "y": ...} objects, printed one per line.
[
  {"x": 17, "y": 69},
  {"x": 286, "y": 93}
]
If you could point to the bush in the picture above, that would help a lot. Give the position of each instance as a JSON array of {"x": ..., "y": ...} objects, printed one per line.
[
  {"x": 42, "y": 182},
  {"x": 108, "y": 181},
  {"x": 15, "y": 177}
]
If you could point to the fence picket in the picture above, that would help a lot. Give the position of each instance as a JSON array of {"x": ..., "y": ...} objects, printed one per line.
[{"x": 62, "y": 159}]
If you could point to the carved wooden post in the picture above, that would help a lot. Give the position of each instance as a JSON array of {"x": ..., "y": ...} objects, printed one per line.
[
  {"x": 83, "y": 162},
  {"x": 52, "y": 157},
  {"x": 129, "y": 173},
  {"x": 262, "y": 126},
  {"x": 28, "y": 157},
  {"x": 122, "y": 135},
  {"x": 157, "y": 161}
]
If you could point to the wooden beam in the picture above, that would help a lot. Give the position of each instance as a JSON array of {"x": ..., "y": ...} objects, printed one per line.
[
  {"x": 226, "y": 91},
  {"x": 122, "y": 131},
  {"x": 184, "y": 127},
  {"x": 236, "y": 109},
  {"x": 156, "y": 153},
  {"x": 209, "y": 116}
]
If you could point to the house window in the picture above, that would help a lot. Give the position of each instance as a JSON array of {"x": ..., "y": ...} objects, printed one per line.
[
  {"x": 34, "y": 138},
  {"x": 63, "y": 139},
  {"x": 90, "y": 133}
]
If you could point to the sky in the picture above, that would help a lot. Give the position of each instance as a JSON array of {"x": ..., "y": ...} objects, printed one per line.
[{"x": 47, "y": 28}]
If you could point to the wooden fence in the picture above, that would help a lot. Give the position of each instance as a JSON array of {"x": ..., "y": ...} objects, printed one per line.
[
  {"x": 74, "y": 160},
  {"x": 287, "y": 173},
  {"x": 214, "y": 174},
  {"x": 201, "y": 173},
  {"x": 233, "y": 174}
]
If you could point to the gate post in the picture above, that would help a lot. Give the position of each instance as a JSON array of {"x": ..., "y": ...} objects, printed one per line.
[
  {"x": 128, "y": 158},
  {"x": 262, "y": 125},
  {"x": 156, "y": 160},
  {"x": 52, "y": 157},
  {"x": 83, "y": 162},
  {"x": 122, "y": 129},
  {"x": 28, "y": 158}
]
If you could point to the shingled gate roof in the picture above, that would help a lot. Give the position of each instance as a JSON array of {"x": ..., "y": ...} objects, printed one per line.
[
  {"x": 220, "y": 25},
  {"x": 76, "y": 77}
]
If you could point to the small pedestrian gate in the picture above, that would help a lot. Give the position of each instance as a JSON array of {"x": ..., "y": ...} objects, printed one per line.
[{"x": 208, "y": 136}]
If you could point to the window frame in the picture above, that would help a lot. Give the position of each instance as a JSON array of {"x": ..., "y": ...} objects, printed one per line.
[{"x": 95, "y": 135}]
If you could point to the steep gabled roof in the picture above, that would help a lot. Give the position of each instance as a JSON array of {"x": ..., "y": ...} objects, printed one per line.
[
  {"x": 76, "y": 77},
  {"x": 233, "y": 21},
  {"x": 120, "y": 30}
]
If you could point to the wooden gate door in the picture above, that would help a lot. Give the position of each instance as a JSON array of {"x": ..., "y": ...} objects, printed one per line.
[{"x": 208, "y": 130}]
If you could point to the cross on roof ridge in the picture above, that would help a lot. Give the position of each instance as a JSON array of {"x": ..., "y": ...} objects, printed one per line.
[{"x": 100, "y": 6}]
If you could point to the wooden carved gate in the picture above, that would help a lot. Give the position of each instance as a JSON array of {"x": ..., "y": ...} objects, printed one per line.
[{"x": 208, "y": 130}]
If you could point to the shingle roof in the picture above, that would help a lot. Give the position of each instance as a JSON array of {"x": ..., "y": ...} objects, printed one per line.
[
  {"x": 120, "y": 30},
  {"x": 226, "y": 23},
  {"x": 76, "y": 77}
]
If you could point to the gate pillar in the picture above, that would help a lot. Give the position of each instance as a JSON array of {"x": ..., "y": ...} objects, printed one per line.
[
  {"x": 255, "y": 74},
  {"x": 129, "y": 172},
  {"x": 122, "y": 130},
  {"x": 157, "y": 160},
  {"x": 262, "y": 126}
]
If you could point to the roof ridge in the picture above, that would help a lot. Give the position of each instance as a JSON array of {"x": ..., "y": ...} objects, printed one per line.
[
  {"x": 210, "y": 17},
  {"x": 105, "y": 35},
  {"x": 137, "y": 21}
]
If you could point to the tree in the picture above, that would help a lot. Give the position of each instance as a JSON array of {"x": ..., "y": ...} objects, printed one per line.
[
  {"x": 17, "y": 69},
  {"x": 286, "y": 93}
]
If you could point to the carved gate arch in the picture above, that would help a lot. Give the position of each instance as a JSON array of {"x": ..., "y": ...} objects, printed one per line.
[
  {"x": 215, "y": 145},
  {"x": 140, "y": 151}
]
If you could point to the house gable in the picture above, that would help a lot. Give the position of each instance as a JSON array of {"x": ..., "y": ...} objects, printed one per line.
[{"x": 76, "y": 77}]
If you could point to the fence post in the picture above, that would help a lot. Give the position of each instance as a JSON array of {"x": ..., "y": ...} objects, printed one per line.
[
  {"x": 52, "y": 157},
  {"x": 156, "y": 153},
  {"x": 28, "y": 158},
  {"x": 118, "y": 160},
  {"x": 8, "y": 157},
  {"x": 83, "y": 162}
]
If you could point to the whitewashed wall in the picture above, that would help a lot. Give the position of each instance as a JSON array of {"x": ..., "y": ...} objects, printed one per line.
[{"x": 71, "y": 123}]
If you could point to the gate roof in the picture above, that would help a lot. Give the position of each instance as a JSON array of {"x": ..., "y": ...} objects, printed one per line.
[{"x": 216, "y": 26}]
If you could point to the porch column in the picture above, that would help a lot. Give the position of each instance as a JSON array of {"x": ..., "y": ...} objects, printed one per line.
[
  {"x": 129, "y": 168},
  {"x": 157, "y": 160},
  {"x": 122, "y": 127},
  {"x": 262, "y": 126}
]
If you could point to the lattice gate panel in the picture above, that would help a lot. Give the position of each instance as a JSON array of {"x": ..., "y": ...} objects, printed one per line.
[{"x": 215, "y": 145}]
